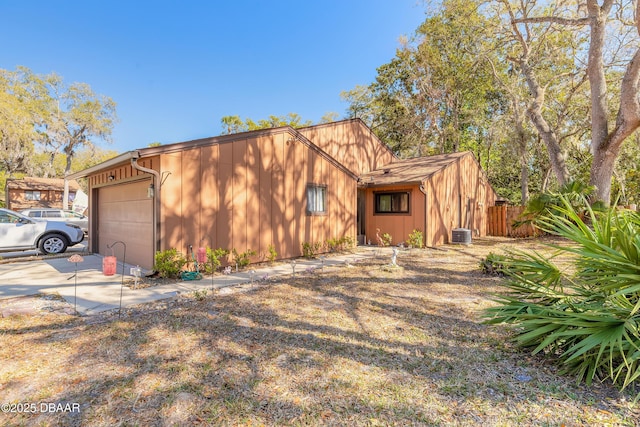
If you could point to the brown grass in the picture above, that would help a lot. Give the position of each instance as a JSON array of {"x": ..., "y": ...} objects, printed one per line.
[{"x": 359, "y": 345}]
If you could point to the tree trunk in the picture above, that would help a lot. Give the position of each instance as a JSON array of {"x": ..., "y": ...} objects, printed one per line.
[
  {"x": 606, "y": 146},
  {"x": 557, "y": 157}
]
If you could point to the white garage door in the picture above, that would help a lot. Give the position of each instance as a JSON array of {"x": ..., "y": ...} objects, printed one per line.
[{"x": 125, "y": 213}]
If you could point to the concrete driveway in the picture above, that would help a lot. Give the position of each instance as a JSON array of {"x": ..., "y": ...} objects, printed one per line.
[{"x": 91, "y": 292}]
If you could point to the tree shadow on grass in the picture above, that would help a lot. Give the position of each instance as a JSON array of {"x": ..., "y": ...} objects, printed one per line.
[{"x": 329, "y": 348}]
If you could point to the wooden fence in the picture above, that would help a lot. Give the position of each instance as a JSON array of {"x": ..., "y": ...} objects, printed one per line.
[{"x": 501, "y": 222}]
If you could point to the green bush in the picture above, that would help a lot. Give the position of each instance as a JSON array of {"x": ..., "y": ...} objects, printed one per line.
[
  {"x": 493, "y": 264},
  {"x": 310, "y": 250},
  {"x": 588, "y": 318},
  {"x": 243, "y": 259},
  {"x": 386, "y": 239},
  {"x": 339, "y": 244},
  {"x": 415, "y": 239},
  {"x": 169, "y": 263},
  {"x": 272, "y": 255},
  {"x": 213, "y": 260}
]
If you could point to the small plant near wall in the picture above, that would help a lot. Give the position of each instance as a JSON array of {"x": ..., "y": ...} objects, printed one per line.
[
  {"x": 386, "y": 239},
  {"x": 415, "y": 239},
  {"x": 339, "y": 244},
  {"x": 309, "y": 250},
  {"x": 272, "y": 255},
  {"x": 169, "y": 263},
  {"x": 213, "y": 259},
  {"x": 242, "y": 259}
]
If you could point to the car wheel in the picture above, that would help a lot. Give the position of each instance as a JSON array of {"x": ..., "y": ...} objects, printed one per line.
[{"x": 53, "y": 244}]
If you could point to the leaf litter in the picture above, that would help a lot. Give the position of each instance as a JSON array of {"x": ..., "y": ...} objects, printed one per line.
[{"x": 362, "y": 345}]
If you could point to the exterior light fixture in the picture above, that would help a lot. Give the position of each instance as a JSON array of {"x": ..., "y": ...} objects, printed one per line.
[
  {"x": 111, "y": 177},
  {"x": 151, "y": 191}
]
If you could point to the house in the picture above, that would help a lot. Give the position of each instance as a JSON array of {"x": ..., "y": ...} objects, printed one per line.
[
  {"x": 435, "y": 193},
  {"x": 273, "y": 188},
  {"x": 31, "y": 192}
]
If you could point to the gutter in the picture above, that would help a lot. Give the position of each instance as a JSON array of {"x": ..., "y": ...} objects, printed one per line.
[
  {"x": 155, "y": 188},
  {"x": 423, "y": 190}
]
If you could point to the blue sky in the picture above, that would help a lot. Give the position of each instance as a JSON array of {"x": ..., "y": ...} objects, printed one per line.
[{"x": 174, "y": 68}]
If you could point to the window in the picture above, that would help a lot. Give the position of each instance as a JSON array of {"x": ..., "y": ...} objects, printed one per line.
[
  {"x": 316, "y": 199},
  {"x": 392, "y": 202},
  {"x": 32, "y": 195},
  {"x": 7, "y": 218}
]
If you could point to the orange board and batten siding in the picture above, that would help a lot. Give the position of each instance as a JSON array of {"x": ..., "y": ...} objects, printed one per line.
[
  {"x": 351, "y": 143},
  {"x": 457, "y": 196},
  {"x": 250, "y": 194},
  {"x": 398, "y": 226}
]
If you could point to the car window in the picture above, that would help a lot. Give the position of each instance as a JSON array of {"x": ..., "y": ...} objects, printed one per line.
[
  {"x": 52, "y": 214},
  {"x": 35, "y": 214},
  {"x": 7, "y": 218}
]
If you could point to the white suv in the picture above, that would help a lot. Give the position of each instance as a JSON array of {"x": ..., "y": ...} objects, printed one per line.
[
  {"x": 52, "y": 214},
  {"x": 19, "y": 232}
]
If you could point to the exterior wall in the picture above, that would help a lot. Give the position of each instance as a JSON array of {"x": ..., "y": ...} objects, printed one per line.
[
  {"x": 250, "y": 194},
  {"x": 351, "y": 143},
  {"x": 48, "y": 199},
  {"x": 457, "y": 196},
  {"x": 399, "y": 225}
]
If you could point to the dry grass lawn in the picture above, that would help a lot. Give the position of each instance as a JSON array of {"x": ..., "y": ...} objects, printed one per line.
[{"x": 350, "y": 346}]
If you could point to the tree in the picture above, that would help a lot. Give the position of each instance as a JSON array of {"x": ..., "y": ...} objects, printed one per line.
[
  {"x": 605, "y": 143},
  {"x": 21, "y": 114},
  {"x": 41, "y": 110},
  {"x": 234, "y": 124},
  {"x": 78, "y": 116}
]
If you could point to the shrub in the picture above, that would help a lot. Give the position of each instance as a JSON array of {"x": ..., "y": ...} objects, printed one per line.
[
  {"x": 415, "y": 239},
  {"x": 338, "y": 244},
  {"x": 272, "y": 255},
  {"x": 213, "y": 259},
  {"x": 309, "y": 250},
  {"x": 169, "y": 263},
  {"x": 386, "y": 239},
  {"x": 243, "y": 259},
  {"x": 587, "y": 317},
  {"x": 551, "y": 203},
  {"x": 493, "y": 264}
]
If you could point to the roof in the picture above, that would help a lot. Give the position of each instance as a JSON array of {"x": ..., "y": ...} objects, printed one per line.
[
  {"x": 410, "y": 171},
  {"x": 35, "y": 183}
]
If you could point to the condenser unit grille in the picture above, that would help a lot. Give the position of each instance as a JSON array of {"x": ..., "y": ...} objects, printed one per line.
[{"x": 461, "y": 235}]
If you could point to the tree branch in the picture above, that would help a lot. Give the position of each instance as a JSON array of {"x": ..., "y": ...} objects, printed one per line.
[{"x": 575, "y": 22}]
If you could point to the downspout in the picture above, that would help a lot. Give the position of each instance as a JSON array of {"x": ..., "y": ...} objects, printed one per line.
[
  {"x": 155, "y": 187},
  {"x": 423, "y": 189}
]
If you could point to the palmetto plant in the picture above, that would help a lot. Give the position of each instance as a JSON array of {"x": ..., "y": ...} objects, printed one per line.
[{"x": 587, "y": 315}]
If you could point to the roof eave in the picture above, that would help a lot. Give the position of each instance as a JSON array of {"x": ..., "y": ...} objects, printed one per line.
[
  {"x": 122, "y": 158},
  {"x": 388, "y": 184}
]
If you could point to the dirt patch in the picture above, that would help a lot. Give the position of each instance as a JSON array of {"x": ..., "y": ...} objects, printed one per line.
[{"x": 35, "y": 305}]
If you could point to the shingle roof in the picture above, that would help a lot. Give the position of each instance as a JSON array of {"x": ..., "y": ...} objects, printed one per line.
[
  {"x": 35, "y": 183},
  {"x": 410, "y": 171}
]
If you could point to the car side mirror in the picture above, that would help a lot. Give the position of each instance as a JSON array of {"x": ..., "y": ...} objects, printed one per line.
[{"x": 25, "y": 221}]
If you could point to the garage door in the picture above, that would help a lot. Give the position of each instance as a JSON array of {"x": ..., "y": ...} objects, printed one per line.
[{"x": 125, "y": 213}]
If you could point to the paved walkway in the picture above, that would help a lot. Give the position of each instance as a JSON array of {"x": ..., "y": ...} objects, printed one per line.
[{"x": 92, "y": 292}]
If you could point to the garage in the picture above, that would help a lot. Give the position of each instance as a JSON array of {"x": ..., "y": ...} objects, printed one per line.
[{"x": 125, "y": 213}]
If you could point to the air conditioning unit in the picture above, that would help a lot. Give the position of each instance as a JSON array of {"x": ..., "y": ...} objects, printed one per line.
[{"x": 461, "y": 235}]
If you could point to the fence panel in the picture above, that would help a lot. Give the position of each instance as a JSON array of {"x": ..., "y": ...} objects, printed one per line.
[{"x": 501, "y": 219}]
